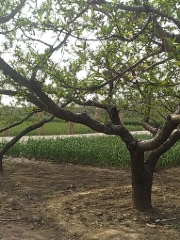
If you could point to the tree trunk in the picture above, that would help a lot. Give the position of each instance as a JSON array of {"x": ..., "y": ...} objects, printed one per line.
[
  {"x": 1, "y": 166},
  {"x": 142, "y": 178},
  {"x": 142, "y": 173}
]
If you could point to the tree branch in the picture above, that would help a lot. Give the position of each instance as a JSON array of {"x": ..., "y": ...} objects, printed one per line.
[
  {"x": 13, "y": 74},
  {"x": 89, "y": 103},
  {"x": 8, "y": 92},
  {"x": 162, "y": 34},
  {"x": 154, "y": 155},
  {"x": 31, "y": 97},
  {"x": 21, "y": 134},
  {"x": 94, "y": 88},
  {"x": 162, "y": 135},
  {"x": 148, "y": 127},
  {"x": 156, "y": 64},
  {"x": 141, "y": 31},
  {"x": 146, "y": 9},
  {"x": 13, "y": 13},
  {"x": 34, "y": 39},
  {"x": 20, "y": 122},
  {"x": 114, "y": 115},
  {"x": 24, "y": 132}
]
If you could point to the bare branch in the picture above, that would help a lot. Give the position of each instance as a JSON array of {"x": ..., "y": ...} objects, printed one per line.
[
  {"x": 8, "y": 92},
  {"x": 94, "y": 2},
  {"x": 20, "y": 122},
  {"x": 154, "y": 155},
  {"x": 114, "y": 116},
  {"x": 148, "y": 127},
  {"x": 162, "y": 135},
  {"x": 34, "y": 39},
  {"x": 20, "y": 135},
  {"x": 7, "y": 70}
]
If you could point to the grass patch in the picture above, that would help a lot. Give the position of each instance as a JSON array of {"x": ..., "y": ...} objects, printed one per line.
[
  {"x": 61, "y": 128},
  {"x": 134, "y": 127},
  {"x": 52, "y": 128},
  {"x": 170, "y": 158},
  {"x": 98, "y": 151}
]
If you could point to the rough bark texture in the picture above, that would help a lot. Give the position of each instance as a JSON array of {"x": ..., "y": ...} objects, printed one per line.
[
  {"x": 142, "y": 175},
  {"x": 1, "y": 166},
  {"x": 142, "y": 178}
]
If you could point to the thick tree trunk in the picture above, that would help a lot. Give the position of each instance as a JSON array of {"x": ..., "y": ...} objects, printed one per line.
[
  {"x": 142, "y": 178},
  {"x": 142, "y": 174}
]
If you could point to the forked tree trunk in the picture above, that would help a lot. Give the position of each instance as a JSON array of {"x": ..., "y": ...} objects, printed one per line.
[
  {"x": 142, "y": 174},
  {"x": 142, "y": 178}
]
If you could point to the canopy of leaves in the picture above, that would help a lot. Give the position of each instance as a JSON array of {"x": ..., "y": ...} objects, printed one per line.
[{"x": 110, "y": 52}]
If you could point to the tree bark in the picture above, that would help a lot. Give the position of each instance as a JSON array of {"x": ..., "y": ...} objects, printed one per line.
[
  {"x": 142, "y": 178},
  {"x": 1, "y": 165}
]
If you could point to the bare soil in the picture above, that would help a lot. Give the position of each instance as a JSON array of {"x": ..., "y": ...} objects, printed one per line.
[{"x": 49, "y": 201}]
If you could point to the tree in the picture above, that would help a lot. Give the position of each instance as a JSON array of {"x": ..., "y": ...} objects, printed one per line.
[{"x": 101, "y": 54}]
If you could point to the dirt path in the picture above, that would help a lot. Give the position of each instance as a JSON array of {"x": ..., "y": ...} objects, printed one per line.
[
  {"x": 25, "y": 138},
  {"x": 48, "y": 201}
]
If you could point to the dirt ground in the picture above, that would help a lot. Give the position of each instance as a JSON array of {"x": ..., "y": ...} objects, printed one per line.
[{"x": 50, "y": 201}]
